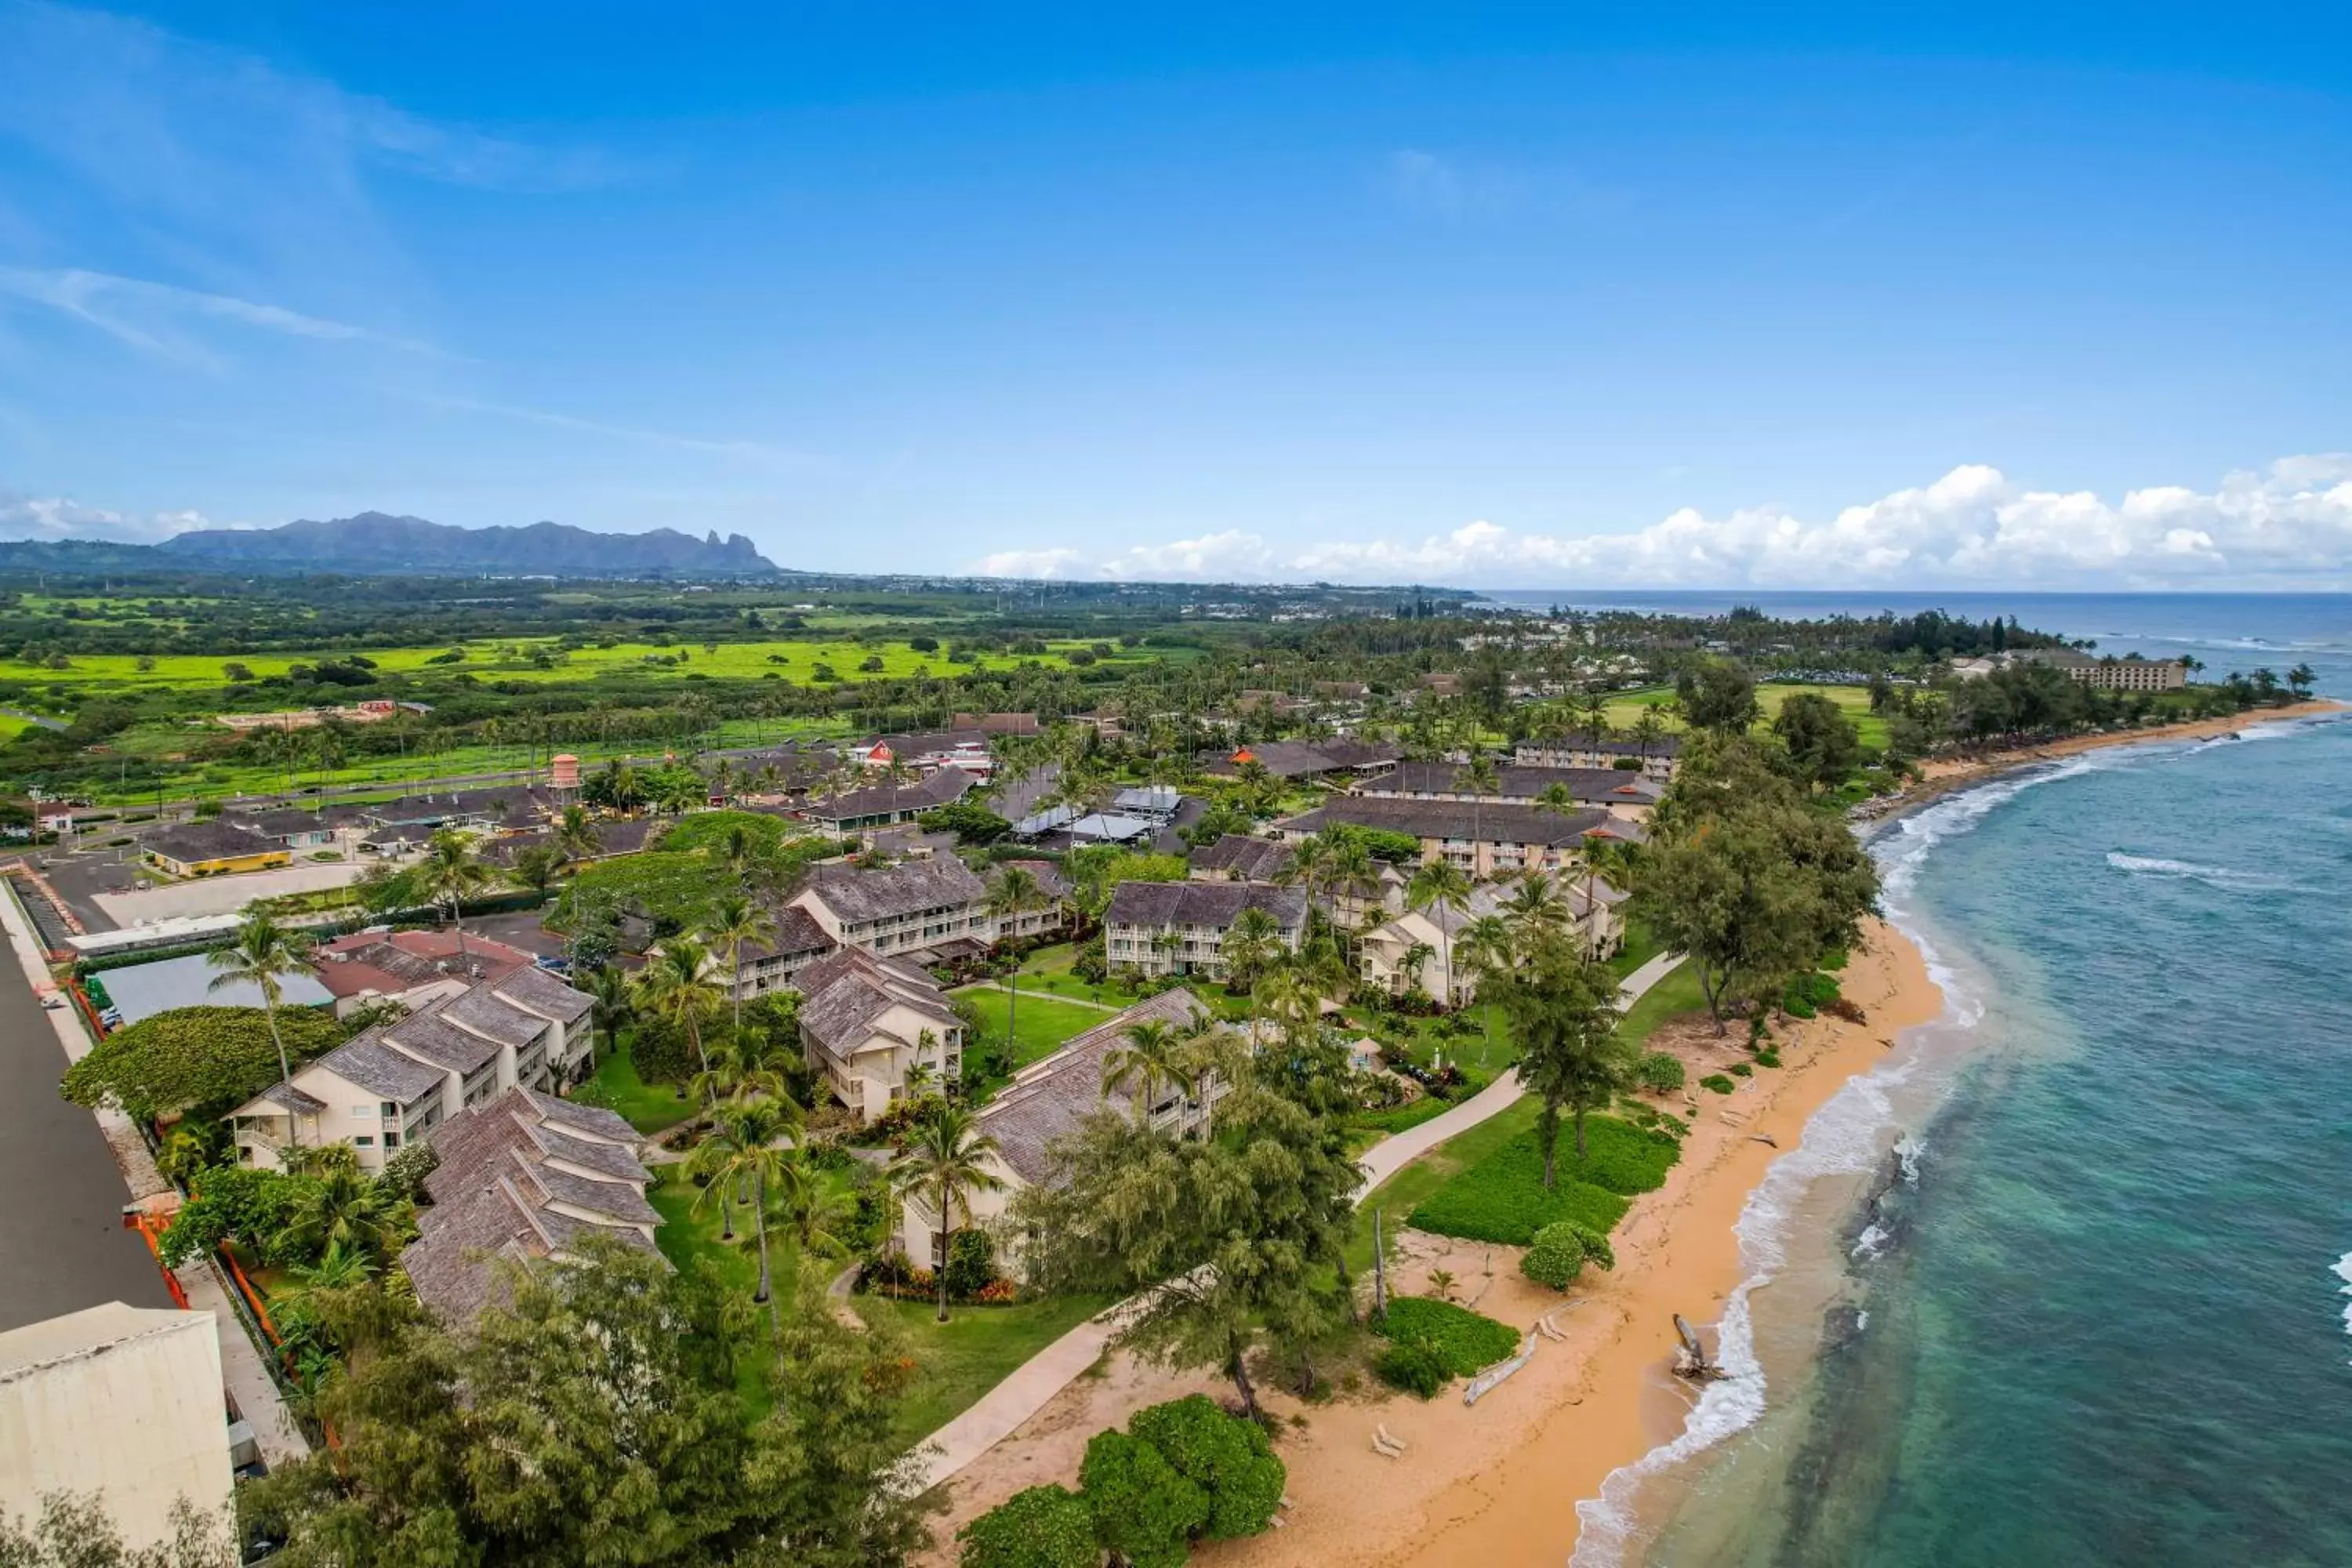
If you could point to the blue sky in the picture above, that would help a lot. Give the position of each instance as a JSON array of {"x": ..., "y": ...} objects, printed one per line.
[{"x": 1539, "y": 297}]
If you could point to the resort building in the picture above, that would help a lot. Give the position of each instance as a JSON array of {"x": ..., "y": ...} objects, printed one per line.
[
  {"x": 997, "y": 724},
  {"x": 2130, "y": 673},
  {"x": 1621, "y": 793},
  {"x": 884, "y": 805},
  {"x": 776, "y": 964},
  {"x": 521, "y": 1178},
  {"x": 1050, "y": 1098},
  {"x": 1239, "y": 857},
  {"x": 1658, "y": 758},
  {"x": 927, "y": 911},
  {"x": 394, "y": 1083},
  {"x": 1180, "y": 928},
  {"x": 961, "y": 748},
  {"x": 1033, "y": 925},
  {"x": 1308, "y": 761},
  {"x": 866, "y": 1021},
  {"x": 212, "y": 849},
  {"x": 295, "y": 829},
  {"x": 1407, "y": 955},
  {"x": 412, "y": 967},
  {"x": 1485, "y": 838},
  {"x": 120, "y": 1401}
]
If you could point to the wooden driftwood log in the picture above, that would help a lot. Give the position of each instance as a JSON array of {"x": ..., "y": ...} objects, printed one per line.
[{"x": 1690, "y": 1357}]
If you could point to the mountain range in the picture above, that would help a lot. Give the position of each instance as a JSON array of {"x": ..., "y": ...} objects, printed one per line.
[{"x": 374, "y": 544}]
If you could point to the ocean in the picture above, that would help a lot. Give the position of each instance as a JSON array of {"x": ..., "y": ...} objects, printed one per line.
[{"x": 2068, "y": 1280}]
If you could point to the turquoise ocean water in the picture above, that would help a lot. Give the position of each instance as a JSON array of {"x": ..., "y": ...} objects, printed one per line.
[{"x": 2067, "y": 1279}]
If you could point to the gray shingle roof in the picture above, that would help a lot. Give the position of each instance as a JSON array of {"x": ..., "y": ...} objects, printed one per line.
[
  {"x": 841, "y": 996},
  {"x": 495, "y": 1196},
  {"x": 796, "y": 933},
  {"x": 1491, "y": 822},
  {"x": 482, "y": 1010},
  {"x": 1240, "y": 857},
  {"x": 368, "y": 1062},
  {"x": 1213, "y": 904},
  {"x": 1053, "y": 1096},
  {"x": 214, "y": 841},
  {"x": 856, "y": 896},
  {"x": 1588, "y": 785},
  {"x": 941, "y": 786},
  {"x": 542, "y": 992},
  {"x": 427, "y": 1034}
]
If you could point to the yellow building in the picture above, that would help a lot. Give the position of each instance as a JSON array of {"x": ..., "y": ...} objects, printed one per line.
[{"x": 210, "y": 848}]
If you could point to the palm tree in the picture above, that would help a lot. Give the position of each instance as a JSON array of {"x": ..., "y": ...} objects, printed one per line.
[
  {"x": 1648, "y": 730},
  {"x": 449, "y": 874},
  {"x": 1477, "y": 780},
  {"x": 1594, "y": 708},
  {"x": 817, "y": 1215},
  {"x": 1416, "y": 958},
  {"x": 1443, "y": 886},
  {"x": 536, "y": 865},
  {"x": 1251, "y": 944},
  {"x": 576, "y": 833},
  {"x": 1534, "y": 907},
  {"x": 263, "y": 954},
  {"x": 1491, "y": 949},
  {"x": 1015, "y": 892},
  {"x": 743, "y": 1153},
  {"x": 672, "y": 987},
  {"x": 944, "y": 1165},
  {"x": 1155, "y": 1057},
  {"x": 1609, "y": 858},
  {"x": 342, "y": 1208},
  {"x": 610, "y": 1003},
  {"x": 737, "y": 1071},
  {"x": 734, "y": 921}
]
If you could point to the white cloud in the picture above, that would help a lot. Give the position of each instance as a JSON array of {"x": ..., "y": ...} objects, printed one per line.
[
  {"x": 143, "y": 313},
  {"x": 2290, "y": 525},
  {"x": 61, "y": 517}
]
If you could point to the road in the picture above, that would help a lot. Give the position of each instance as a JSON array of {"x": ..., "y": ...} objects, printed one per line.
[{"x": 62, "y": 1244}]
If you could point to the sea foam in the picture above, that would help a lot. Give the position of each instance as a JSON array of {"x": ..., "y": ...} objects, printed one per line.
[{"x": 2344, "y": 1272}]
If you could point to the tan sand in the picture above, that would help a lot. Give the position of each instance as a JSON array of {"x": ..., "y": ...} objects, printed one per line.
[
  {"x": 1552, "y": 1433},
  {"x": 1946, "y": 774}
]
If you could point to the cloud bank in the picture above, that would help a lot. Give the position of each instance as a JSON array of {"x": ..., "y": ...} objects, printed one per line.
[
  {"x": 61, "y": 517},
  {"x": 2287, "y": 526}
]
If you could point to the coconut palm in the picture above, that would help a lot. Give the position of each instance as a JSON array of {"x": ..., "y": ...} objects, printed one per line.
[
  {"x": 1015, "y": 892},
  {"x": 340, "y": 1207},
  {"x": 449, "y": 874},
  {"x": 1491, "y": 949},
  {"x": 737, "y": 1071},
  {"x": 672, "y": 987},
  {"x": 610, "y": 1004},
  {"x": 732, "y": 921},
  {"x": 1154, "y": 1057},
  {"x": 264, "y": 954},
  {"x": 1416, "y": 958},
  {"x": 576, "y": 833},
  {"x": 1534, "y": 907},
  {"x": 819, "y": 1217},
  {"x": 944, "y": 1165},
  {"x": 1478, "y": 779},
  {"x": 1252, "y": 942},
  {"x": 537, "y": 865},
  {"x": 743, "y": 1155},
  {"x": 1441, "y": 886}
]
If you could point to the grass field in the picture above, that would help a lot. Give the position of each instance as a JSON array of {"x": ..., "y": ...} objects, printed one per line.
[
  {"x": 1044, "y": 1021},
  {"x": 1626, "y": 707},
  {"x": 793, "y": 659},
  {"x": 976, "y": 1349},
  {"x": 650, "y": 1107}
]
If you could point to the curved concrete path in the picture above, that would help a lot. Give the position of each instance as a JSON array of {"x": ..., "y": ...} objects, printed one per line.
[{"x": 1001, "y": 1410}]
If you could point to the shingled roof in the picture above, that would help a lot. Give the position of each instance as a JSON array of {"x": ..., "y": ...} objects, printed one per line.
[
  {"x": 1596, "y": 786},
  {"x": 941, "y": 786},
  {"x": 856, "y": 896},
  {"x": 1213, "y": 904},
  {"x": 1239, "y": 857},
  {"x": 844, "y": 993},
  {"x": 1489, "y": 821},
  {"x": 1051, "y": 1097},
  {"x": 522, "y": 1178}
]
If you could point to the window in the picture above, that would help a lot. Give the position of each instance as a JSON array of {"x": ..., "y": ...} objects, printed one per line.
[
  {"x": 392, "y": 1139},
  {"x": 363, "y": 1140},
  {"x": 387, "y": 1110},
  {"x": 364, "y": 1111}
]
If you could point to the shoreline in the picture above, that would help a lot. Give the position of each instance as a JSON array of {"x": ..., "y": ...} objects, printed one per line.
[
  {"x": 1945, "y": 776},
  {"x": 1498, "y": 1482}
]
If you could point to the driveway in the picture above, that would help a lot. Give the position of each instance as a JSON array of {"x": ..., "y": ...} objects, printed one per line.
[{"x": 220, "y": 895}]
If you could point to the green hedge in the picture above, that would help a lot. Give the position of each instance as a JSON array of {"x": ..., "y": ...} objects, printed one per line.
[
  {"x": 1502, "y": 1197},
  {"x": 1466, "y": 1341}
]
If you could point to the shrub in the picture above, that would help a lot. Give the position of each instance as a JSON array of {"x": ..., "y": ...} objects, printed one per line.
[
  {"x": 1717, "y": 1082},
  {"x": 1806, "y": 995},
  {"x": 969, "y": 824},
  {"x": 1227, "y": 1458},
  {"x": 1465, "y": 1342},
  {"x": 1142, "y": 1508},
  {"x": 972, "y": 1262},
  {"x": 1415, "y": 1367},
  {"x": 1768, "y": 1058},
  {"x": 1660, "y": 1072},
  {"x": 1502, "y": 1197},
  {"x": 1043, "y": 1527},
  {"x": 195, "y": 1059},
  {"x": 1742, "y": 1069},
  {"x": 1559, "y": 1253}
]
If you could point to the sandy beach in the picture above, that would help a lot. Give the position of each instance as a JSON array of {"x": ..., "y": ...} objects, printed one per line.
[
  {"x": 1943, "y": 776},
  {"x": 1496, "y": 1483}
]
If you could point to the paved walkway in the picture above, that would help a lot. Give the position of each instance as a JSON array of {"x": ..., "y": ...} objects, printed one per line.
[
  {"x": 1002, "y": 1409},
  {"x": 1048, "y": 995}
]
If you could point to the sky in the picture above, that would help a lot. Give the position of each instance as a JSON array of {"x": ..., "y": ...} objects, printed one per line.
[{"x": 1551, "y": 297}]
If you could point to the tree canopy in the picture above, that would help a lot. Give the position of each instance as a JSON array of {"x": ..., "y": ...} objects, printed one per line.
[{"x": 194, "y": 1059}]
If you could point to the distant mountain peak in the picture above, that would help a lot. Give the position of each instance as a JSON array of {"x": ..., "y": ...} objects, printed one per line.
[{"x": 378, "y": 543}]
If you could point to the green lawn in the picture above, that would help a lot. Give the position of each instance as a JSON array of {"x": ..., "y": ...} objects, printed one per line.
[
  {"x": 1501, "y": 1197},
  {"x": 1625, "y": 707},
  {"x": 1044, "y": 1021},
  {"x": 1677, "y": 992},
  {"x": 650, "y": 1107},
  {"x": 1402, "y": 1192},
  {"x": 976, "y": 1349},
  {"x": 1048, "y": 970}
]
